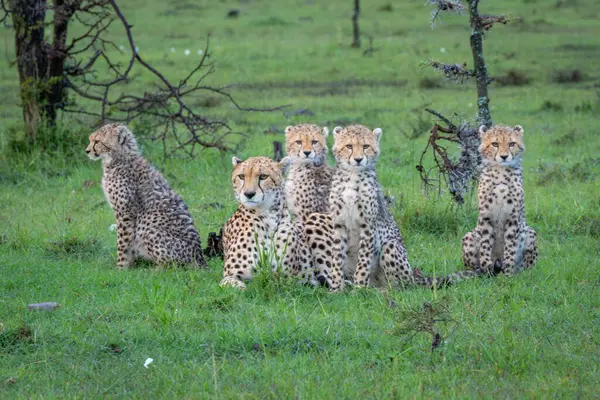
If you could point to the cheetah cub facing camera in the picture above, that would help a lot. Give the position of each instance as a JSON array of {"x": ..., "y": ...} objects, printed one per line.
[
  {"x": 153, "y": 222},
  {"x": 502, "y": 241},
  {"x": 368, "y": 245},
  {"x": 262, "y": 224},
  {"x": 309, "y": 178}
]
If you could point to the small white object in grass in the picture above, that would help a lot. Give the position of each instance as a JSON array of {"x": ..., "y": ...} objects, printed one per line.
[
  {"x": 112, "y": 227},
  {"x": 44, "y": 306},
  {"x": 137, "y": 50},
  {"x": 172, "y": 49},
  {"x": 148, "y": 362},
  {"x": 200, "y": 52},
  {"x": 443, "y": 49},
  {"x": 187, "y": 52},
  {"x": 121, "y": 47}
]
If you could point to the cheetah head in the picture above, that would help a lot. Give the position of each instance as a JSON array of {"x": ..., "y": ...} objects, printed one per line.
[
  {"x": 258, "y": 181},
  {"x": 501, "y": 144},
  {"x": 306, "y": 143},
  {"x": 356, "y": 146},
  {"x": 110, "y": 140}
]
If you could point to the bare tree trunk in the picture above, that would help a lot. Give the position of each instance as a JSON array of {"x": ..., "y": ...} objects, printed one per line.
[
  {"x": 56, "y": 59},
  {"x": 32, "y": 60},
  {"x": 355, "y": 29},
  {"x": 481, "y": 75}
]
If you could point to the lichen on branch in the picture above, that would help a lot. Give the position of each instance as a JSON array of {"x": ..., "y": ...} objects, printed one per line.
[
  {"x": 453, "y": 72},
  {"x": 454, "y": 6}
]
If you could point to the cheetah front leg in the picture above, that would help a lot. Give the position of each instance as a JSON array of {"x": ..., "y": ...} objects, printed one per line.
[
  {"x": 514, "y": 248},
  {"x": 237, "y": 271},
  {"x": 524, "y": 253},
  {"x": 241, "y": 259},
  {"x": 486, "y": 244},
  {"x": 470, "y": 249},
  {"x": 125, "y": 239},
  {"x": 340, "y": 248},
  {"x": 319, "y": 238},
  {"x": 531, "y": 252},
  {"x": 366, "y": 257}
]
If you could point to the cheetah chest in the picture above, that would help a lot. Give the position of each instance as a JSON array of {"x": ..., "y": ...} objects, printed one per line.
[
  {"x": 264, "y": 231},
  {"x": 502, "y": 209},
  {"x": 351, "y": 217},
  {"x": 108, "y": 190}
]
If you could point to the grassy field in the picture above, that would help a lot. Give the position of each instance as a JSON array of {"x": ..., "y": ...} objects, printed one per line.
[{"x": 536, "y": 335}]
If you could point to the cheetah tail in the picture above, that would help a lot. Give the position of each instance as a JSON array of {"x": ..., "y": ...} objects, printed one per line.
[{"x": 439, "y": 282}]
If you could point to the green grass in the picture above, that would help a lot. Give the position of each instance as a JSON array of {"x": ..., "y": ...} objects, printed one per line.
[{"x": 535, "y": 335}]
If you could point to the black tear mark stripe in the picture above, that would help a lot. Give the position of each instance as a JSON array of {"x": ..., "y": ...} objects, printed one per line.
[{"x": 259, "y": 185}]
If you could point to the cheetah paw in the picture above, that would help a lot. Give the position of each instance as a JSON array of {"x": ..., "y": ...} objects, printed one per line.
[
  {"x": 232, "y": 282},
  {"x": 337, "y": 289}
]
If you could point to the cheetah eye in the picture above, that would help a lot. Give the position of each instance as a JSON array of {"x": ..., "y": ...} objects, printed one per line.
[
  {"x": 512, "y": 144},
  {"x": 349, "y": 146},
  {"x": 314, "y": 142},
  {"x": 495, "y": 144},
  {"x": 299, "y": 142},
  {"x": 262, "y": 177},
  {"x": 366, "y": 146},
  {"x": 241, "y": 177}
]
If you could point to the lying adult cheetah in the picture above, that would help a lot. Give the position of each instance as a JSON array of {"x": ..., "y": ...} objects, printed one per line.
[
  {"x": 153, "y": 222},
  {"x": 368, "y": 246},
  {"x": 502, "y": 241},
  {"x": 309, "y": 178},
  {"x": 262, "y": 223}
]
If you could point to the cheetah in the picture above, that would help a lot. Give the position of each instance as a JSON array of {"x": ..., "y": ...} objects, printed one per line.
[
  {"x": 502, "y": 241},
  {"x": 153, "y": 222},
  {"x": 263, "y": 223},
  {"x": 309, "y": 178},
  {"x": 368, "y": 246}
]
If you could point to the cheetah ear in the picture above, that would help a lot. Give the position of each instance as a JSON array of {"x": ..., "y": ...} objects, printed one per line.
[
  {"x": 122, "y": 133},
  {"x": 482, "y": 129},
  {"x": 235, "y": 161},
  {"x": 337, "y": 130},
  {"x": 377, "y": 132},
  {"x": 288, "y": 129},
  {"x": 325, "y": 131},
  {"x": 284, "y": 164},
  {"x": 518, "y": 128}
]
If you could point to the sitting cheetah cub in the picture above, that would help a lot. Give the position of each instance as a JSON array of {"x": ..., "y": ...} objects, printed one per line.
[
  {"x": 262, "y": 222},
  {"x": 502, "y": 241},
  {"x": 153, "y": 222},
  {"x": 309, "y": 178},
  {"x": 368, "y": 245}
]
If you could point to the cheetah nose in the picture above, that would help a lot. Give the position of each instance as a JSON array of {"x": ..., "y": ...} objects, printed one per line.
[
  {"x": 358, "y": 160},
  {"x": 504, "y": 157},
  {"x": 307, "y": 153},
  {"x": 87, "y": 151},
  {"x": 249, "y": 195}
]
